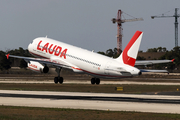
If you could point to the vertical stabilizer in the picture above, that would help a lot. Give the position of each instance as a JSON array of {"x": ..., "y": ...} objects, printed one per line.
[{"x": 129, "y": 55}]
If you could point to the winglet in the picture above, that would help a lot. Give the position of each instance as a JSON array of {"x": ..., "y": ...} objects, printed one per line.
[
  {"x": 172, "y": 60},
  {"x": 7, "y": 56}
]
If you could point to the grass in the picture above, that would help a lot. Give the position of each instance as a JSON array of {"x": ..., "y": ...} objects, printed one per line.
[
  {"x": 31, "y": 113},
  {"x": 136, "y": 89}
]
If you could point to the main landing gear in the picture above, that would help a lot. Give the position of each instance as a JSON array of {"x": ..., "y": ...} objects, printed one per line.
[
  {"x": 95, "y": 80},
  {"x": 58, "y": 78}
]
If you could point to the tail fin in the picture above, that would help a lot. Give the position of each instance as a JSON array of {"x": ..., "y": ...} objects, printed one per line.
[{"x": 128, "y": 56}]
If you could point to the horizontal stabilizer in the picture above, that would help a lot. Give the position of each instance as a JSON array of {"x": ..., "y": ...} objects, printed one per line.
[
  {"x": 158, "y": 71},
  {"x": 151, "y": 62}
]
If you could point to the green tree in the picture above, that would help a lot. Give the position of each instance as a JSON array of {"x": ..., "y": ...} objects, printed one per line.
[
  {"x": 110, "y": 53},
  {"x": 140, "y": 58},
  {"x": 159, "y": 49},
  {"x": 19, "y": 52},
  {"x": 102, "y": 53},
  {"x": 152, "y": 50},
  {"x": 23, "y": 64},
  {"x": 173, "y": 54},
  {"x": 164, "y": 49},
  {"x": 4, "y": 62}
]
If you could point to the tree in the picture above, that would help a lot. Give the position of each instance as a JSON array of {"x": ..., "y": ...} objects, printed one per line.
[
  {"x": 159, "y": 49},
  {"x": 140, "y": 58},
  {"x": 164, "y": 49},
  {"x": 19, "y": 52},
  {"x": 110, "y": 53},
  {"x": 152, "y": 50},
  {"x": 102, "y": 53},
  {"x": 4, "y": 62},
  {"x": 23, "y": 64},
  {"x": 173, "y": 54}
]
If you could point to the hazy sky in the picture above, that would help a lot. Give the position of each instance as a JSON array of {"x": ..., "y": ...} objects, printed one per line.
[{"x": 85, "y": 23}]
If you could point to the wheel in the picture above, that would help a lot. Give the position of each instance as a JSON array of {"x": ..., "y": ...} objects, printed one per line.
[
  {"x": 97, "y": 81},
  {"x": 60, "y": 80},
  {"x": 55, "y": 80},
  {"x": 93, "y": 81}
]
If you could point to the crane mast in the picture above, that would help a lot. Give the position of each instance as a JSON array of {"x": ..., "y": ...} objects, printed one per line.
[
  {"x": 176, "y": 27},
  {"x": 119, "y": 22},
  {"x": 176, "y": 16}
]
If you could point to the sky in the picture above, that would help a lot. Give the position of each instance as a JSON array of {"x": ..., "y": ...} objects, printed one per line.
[{"x": 86, "y": 23}]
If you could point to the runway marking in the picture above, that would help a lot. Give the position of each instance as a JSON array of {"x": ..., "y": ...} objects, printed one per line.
[
  {"x": 88, "y": 82},
  {"x": 95, "y": 105},
  {"x": 92, "y": 97},
  {"x": 99, "y": 101}
]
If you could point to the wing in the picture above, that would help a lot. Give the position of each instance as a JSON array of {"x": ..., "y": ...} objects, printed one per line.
[
  {"x": 52, "y": 61},
  {"x": 151, "y": 62}
]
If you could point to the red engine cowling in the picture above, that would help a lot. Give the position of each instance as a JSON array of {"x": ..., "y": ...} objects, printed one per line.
[{"x": 37, "y": 67}]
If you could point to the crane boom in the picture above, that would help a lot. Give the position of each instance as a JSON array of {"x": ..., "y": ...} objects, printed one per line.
[
  {"x": 160, "y": 16},
  {"x": 131, "y": 20},
  {"x": 119, "y": 22}
]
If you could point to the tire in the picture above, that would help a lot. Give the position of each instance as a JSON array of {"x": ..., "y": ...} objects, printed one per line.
[
  {"x": 56, "y": 80},
  {"x": 93, "y": 81},
  {"x": 61, "y": 80},
  {"x": 97, "y": 81}
]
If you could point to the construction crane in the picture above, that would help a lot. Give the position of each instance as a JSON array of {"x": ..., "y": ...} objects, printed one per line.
[
  {"x": 119, "y": 22},
  {"x": 176, "y": 16}
]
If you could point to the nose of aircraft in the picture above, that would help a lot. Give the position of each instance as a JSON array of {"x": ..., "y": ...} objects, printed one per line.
[{"x": 30, "y": 47}]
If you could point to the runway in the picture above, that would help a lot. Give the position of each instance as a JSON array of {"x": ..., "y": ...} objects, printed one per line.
[
  {"x": 87, "y": 82},
  {"x": 97, "y": 101}
]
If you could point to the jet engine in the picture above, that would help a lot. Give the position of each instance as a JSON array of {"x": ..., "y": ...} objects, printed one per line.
[{"x": 37, "y": 67}]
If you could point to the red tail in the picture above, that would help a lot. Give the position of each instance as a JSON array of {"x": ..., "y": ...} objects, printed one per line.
[{"x": 129, "y": 54}]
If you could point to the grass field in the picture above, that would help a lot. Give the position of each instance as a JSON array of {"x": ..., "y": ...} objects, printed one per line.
[
  {"x": 135, "y": 89},
  {"x": 29, "y": 113}
]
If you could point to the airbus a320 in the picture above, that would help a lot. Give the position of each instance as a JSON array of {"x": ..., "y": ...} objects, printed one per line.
[{"x": 50, "y": 52}]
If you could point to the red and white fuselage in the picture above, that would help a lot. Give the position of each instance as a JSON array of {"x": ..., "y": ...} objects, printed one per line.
[
  {"x": 81, "y": 60},
  {"x": 61, "y": 55}
]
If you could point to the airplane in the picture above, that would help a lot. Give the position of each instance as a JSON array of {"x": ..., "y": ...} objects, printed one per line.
[{"x": 50, "y": 52}]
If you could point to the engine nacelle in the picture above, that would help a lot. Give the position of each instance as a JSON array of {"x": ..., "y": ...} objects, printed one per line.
[{"x": 37, "y": 67}]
